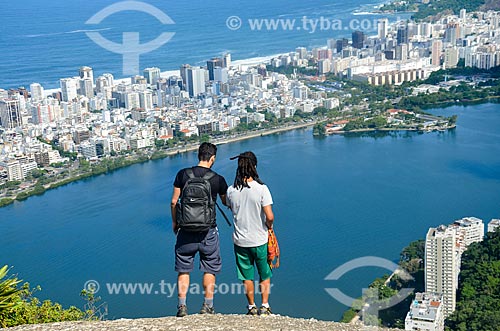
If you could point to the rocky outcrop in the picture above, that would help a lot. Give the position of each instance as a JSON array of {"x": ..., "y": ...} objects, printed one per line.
[{"x": 201, "y": 323}]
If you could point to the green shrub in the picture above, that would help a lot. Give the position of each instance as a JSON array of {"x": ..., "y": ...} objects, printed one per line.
[
  {"x": 20, "y": 306},
  {"x": 9, "y": 294}
]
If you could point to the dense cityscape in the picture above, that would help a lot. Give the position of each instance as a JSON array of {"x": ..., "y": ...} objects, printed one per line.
[
  {"x": 91, "y": 125},
  {"x": 94, "y": 118}
]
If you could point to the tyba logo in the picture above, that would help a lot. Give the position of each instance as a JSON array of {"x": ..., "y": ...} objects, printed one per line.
[{"x": 130, "y": 48}]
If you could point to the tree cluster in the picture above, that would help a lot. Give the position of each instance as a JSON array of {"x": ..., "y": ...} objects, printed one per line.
[{"x": 478, "y": 302}]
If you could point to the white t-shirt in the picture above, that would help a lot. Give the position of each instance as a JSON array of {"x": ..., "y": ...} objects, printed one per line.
[{"x": 250, "y": 228}]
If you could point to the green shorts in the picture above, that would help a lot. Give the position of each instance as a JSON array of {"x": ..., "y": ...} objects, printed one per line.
[{"x": 247, "y": 257}]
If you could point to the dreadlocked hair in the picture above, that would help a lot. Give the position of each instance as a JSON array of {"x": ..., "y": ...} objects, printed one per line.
[{"x": 247, "y": 168}]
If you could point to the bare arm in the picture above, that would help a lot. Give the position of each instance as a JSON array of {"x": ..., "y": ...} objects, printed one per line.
[
  {"x": 223, "y": 199},
  {"x": 175, "y": 197},
  {"x": 268, "y": 211}
]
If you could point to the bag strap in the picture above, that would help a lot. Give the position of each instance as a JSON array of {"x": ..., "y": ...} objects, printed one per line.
[
  {"x": 209, "y": 175},
  {"x": 222, "y": 212}
]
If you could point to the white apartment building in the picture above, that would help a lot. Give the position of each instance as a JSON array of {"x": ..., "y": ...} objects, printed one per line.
[
  {"x": 426, "y": 313},
  {"x": 444, "y": 246},
  {"x": 88, "y": 150},
  {"x": 493, "y": 225},
  {"x": 152, "y": 75},
  {"x": 196, "y": 81},
  {"x": 442, "y": 265},
  {"x": 19, "y": 168},
  {"x": 69, "y": 89},
  {"x": 14, "y": 171},
  {"x": 10, "y": 113},
  {"x": 37, "y": 93},
  {"x": 473, "y": 229}
]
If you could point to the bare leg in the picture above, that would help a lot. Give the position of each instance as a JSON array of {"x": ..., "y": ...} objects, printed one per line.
[
  {"x": 182, "y": 284},
  {"x": 249, "y": 291},
  {"x": 209, "y": 285},
  {"x": 265, "y": 289}
]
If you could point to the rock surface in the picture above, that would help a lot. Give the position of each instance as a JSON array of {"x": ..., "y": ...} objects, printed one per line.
[{"x": 202, "y": 323}]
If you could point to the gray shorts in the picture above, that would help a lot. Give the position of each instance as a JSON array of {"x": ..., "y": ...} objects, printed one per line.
[{"x": 190, "y": 243}]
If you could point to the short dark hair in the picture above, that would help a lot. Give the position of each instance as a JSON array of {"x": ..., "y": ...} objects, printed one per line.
[{"x": 206, "y": 151}]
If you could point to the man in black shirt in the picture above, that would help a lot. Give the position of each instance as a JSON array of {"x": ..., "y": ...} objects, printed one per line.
[{"x": 206, "y": 242}]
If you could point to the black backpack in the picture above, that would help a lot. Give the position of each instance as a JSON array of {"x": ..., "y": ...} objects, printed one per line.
[{"x": 196, "y": 208}]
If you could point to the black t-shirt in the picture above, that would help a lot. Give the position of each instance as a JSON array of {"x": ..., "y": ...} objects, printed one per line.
[{"x": 218, "y": 184}]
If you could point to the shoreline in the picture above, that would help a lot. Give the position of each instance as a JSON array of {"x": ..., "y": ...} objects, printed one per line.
[
  {"x": 451, "y": 127},
  {"x": 32, "y": 190},
  {"x": 249, "y": 62}
]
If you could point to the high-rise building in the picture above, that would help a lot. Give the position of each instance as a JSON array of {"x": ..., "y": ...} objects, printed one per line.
[
  {"x": 80, "y": 135},
  {"x": 442, "y": 265},
  {"x": 426, "y": 29},
  {"x": 100, "y": 84},
  {"x": 426, "y": 313},
  {"x": 412, "y": 29},
  {"x": 331, "y": 44},
  {"x": 36, "y": 92},
  {"x": 493, "y": 225},
  {"x": 87, "y": 73},
  {"x": 196, "y": 81},
  {"x": 472, "y": 229},
  {"x": 139, "y": 80},
  {"x": 212, "y": 64},
  {"x": 184, "y": 75},
  {"x": 402, "y": 35},
  {"x": 69, "y": 89},
  {"x": 341, "y": 44},
  {"x": 437, "y": 50},
  {"x": 450, "y": 57},
  {"x": 401, "y": 52},
  {"x": 382, "y": 27},
  {"x": 358, "y": 39},
  {"x": 495, "y": 21},
  {"x": 227, "y": 60},
  {"x": 451, "y": 33},
  {"x": 444, "y": 246},
  {"x": 10, "y": 113},
  {"x": 14, "y": 171},
  {"x": 132, "y": 100},
  {"x": 86, "y": 88},
  {"x": 323, "y": 54},
  {"x": 302, "y": 52},
  {"x": 152, "y": 75},
  {"x": 221, "y": 75},
  {"x": 42, "y": 114},
  {"x": 146, "y": 100},
  {"x": 300, "y": 92},
  {"x": 110, "y": 79},
  {"x": 175, "y": 81},
  {"x": 463, "y": 14},
  {"x": 324, "y": 66}
]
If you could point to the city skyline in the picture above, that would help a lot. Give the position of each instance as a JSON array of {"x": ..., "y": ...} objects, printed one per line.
[{"x": 93, "y": 120}]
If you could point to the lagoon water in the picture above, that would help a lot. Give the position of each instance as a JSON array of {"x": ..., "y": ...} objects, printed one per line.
[{"x": 336, "y": 199}]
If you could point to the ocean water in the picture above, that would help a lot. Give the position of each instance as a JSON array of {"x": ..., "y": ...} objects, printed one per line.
[
  {"x": 43, "y": 41},
  {"x": 336, "y": 199}
]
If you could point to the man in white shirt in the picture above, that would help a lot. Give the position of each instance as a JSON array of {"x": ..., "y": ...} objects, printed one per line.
[{"x": 251, "y": 203}]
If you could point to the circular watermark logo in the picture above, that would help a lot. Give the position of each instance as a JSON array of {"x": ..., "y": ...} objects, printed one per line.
[
  {"x": 130, "y": 48},
  {"x": 234, "y": 23},
  {"x": 370, "y": 297},
  {"x": 92, "y": 286}
]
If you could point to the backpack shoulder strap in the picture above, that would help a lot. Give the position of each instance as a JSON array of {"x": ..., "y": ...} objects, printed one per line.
[
  {"x": 209, "y": 175},
  {"x": 190, "y": 173}
]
